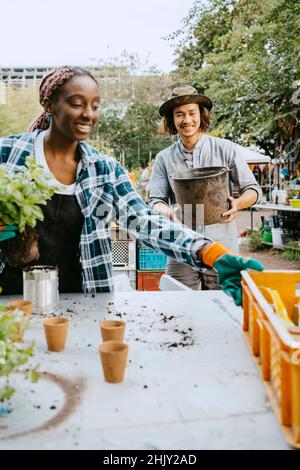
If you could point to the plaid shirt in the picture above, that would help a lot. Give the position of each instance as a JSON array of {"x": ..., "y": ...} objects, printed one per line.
[{"x": 104, "y": 193}]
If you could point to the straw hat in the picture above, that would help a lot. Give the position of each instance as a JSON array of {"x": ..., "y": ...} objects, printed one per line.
[{"x": 184, "y": 95}]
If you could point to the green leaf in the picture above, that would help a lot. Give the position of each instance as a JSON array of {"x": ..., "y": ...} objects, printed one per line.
[
  {"x": 7, "y": 393},
  {"x": 22, "y": 194},
  {"x": 14, "y": 355}
]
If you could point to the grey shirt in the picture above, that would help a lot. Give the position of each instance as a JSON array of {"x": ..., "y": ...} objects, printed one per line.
[{"x": 209, "y": 151}]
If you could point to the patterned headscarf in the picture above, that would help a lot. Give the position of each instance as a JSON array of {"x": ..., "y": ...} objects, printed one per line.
[{"x": 49, "y": 85}]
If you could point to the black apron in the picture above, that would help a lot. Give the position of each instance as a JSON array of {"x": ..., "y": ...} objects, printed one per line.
[{"x": 59, "y": 237}]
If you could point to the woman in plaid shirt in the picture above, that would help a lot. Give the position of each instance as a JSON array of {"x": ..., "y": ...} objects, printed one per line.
[{"x": 75, "y": 233}]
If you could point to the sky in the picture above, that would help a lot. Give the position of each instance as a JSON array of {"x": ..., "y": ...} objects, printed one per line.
[{"x": 59, "y": 32}]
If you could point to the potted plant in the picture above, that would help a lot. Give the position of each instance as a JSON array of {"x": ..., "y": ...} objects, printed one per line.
[
  {"x": 293, "y": 193},
  {"x": 21, "y": 195}
]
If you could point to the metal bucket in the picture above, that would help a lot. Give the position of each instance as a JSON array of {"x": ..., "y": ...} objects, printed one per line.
[
  {"x": 40, "y": 285},
  {"x": 202, "y": 195}
]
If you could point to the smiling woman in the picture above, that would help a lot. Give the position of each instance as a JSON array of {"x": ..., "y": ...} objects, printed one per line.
[{"x": 70, "y": 98}]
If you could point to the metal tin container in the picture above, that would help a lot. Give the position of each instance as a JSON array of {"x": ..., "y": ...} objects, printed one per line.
[{"x": 40, "y": 285}]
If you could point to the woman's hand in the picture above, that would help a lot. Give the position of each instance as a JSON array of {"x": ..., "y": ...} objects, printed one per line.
[
  {"x": 228, "y": 267},
  {"x": 233, "y": 211},
  {"x": 7, "y": 231},
  {"x": 167, "y": 211}
]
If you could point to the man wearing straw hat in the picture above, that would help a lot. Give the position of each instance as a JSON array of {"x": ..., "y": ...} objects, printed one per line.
[{"x": 187, "y": 113}]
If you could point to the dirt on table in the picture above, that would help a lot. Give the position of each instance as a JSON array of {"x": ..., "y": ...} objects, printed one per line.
[{"x": 22, "y": 249}]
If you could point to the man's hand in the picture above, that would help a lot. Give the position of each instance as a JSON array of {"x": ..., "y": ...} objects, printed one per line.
[
  {"x": 246, "y": 199},
  {"x": 7, "y": 231},
  {"x": 233, "y": 211}
]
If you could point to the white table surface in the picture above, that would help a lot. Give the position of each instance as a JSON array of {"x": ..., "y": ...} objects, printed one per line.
[
  {"x": 194, "y": 388},
  {"x": 276, "y": 207}
]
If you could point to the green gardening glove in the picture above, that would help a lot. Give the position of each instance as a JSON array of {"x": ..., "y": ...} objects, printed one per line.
[
  {"x": 229, "y": 269},
  {"x": 7, "y": 231}
]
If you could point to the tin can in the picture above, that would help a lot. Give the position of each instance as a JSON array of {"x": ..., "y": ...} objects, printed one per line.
[{"x": 40, "y": 286}]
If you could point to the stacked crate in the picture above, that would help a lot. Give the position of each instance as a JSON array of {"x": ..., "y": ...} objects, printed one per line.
[
  {"x": 151, "y": 266},
  {"x": 124, "y": 255},
  {"x": 275, "y": 343}
]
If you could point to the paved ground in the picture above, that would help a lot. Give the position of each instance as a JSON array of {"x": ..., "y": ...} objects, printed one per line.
[{"x": 270, "y": 259}]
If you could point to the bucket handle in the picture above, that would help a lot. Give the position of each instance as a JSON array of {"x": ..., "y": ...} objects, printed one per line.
[{"x": 224, "y": 170}]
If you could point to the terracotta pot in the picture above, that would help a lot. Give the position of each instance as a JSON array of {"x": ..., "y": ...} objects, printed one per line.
[
  {"x": 25, "y": 306},
  {"x": 113, "y": 355},
  {"x": 112, "y": 330},
  {"x": 56, "y": 330}
]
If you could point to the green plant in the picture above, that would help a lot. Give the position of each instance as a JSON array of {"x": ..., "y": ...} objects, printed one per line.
[
  {"x": 255, "y": 242},
  {"x": 22, "y": 193},
  {"x": 13, "y": 354},
  {"x": 292, "y": 251},
  {"x": 293, "y": 193}
]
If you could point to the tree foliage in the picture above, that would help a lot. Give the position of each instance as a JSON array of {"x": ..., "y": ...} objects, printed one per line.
[
  {"x": 129, "y": 118},
  {"x": 245, "y": 55},
  {"x": 134, "y": 135},
  {"x": 20, "y": 108}
]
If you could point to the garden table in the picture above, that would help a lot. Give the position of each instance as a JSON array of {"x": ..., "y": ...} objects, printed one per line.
[
  {"x": 190, "y": 381},
  {"x": 272, "y": 207}
]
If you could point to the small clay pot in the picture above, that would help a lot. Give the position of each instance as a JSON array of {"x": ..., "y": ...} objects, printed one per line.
[
  {"x": 24, "y": 305},
  {"x": 113, "y": 355},
  {"x": 112, "y": 330},
  {"x": 22, "y": 249},
  {"x": 56, "y": 330}
]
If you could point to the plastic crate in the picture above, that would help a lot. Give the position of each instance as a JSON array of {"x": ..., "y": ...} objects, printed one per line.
[
  {"x": 275, "y": 345},
  {"x": 130, "y": 273},
  {"x": 149, "y": 260},
  {"x": 124, "y": 254},
  {"x": 148, "y": 281}
]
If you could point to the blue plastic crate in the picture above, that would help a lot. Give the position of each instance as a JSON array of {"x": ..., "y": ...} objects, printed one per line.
[{"x": 149, "y": 260}]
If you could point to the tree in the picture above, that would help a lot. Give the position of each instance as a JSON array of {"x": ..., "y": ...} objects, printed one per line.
[
  {"x": 134, "y": 134},
  {"x": 245, "y": 55},
  {"x": 19, "y": 110}
]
